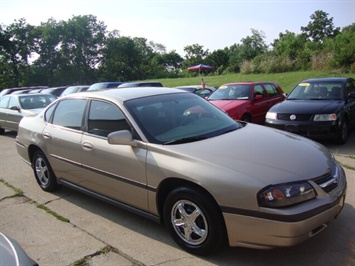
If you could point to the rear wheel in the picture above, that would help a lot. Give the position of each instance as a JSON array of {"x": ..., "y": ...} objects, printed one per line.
[
  {"x": 2, "y": 131},
  {"x": 194, "y": 221},
  {"x": 43, "y": 172}
]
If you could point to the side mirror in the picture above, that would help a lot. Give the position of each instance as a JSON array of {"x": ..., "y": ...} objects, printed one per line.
[
  {"x": 122, "y": 137},
  {"x": 258, "y": 97},
  {"x": 15, "y": 108}
]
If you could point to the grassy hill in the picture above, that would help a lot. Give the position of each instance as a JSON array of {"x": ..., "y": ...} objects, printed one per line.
[{"x": 286, "y": 80}]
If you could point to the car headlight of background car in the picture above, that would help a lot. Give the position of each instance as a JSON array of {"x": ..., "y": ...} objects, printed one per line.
[
  {"x": 283, "y": 195},
  {"x": 271, "y": 115},
  {"x": 325, "y": 117}
]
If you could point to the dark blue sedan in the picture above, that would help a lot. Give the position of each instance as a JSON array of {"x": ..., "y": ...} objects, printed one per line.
[{"x": 320, "y": 108}]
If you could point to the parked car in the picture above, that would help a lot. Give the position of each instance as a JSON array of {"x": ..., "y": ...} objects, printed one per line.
[
  {"x": 171, "y": 156},
  {"x": 247, "y": 101},
  {"x": 13, "y": 107},
  {"x": 320, "y": 108},
  {"x": 140, "y": 84},
  {"x": 74, "y": 89},
  {"x": 21, "y": 89},
  {"x": 198, "y": 89},
  {"x": 13, "y": 254},
  {"x": 104, "y": 85},
  {"x": 56, "y": 91}
]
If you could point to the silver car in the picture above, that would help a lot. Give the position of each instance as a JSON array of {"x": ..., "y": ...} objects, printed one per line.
[
  {"x": 171, "y": 156},
  {"x": 14, "y": 107}
]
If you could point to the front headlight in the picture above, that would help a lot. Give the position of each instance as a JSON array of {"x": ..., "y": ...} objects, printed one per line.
[
  {"x": 277, "y": 196},
  {"x": 325, "y": 117},
  {"x": 271, "y": 115}
]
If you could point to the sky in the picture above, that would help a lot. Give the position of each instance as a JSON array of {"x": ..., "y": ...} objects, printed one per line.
[{"x": 213, "y": 24}]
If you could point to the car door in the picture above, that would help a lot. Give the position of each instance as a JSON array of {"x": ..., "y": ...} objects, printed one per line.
[
  {"x": 274, "y": 95},
  {"x": 62, "y": 138},
  {"x": 4, "y": 101},
  {"x": 13, "y": 114},
  {"x": 115, "y": 171},
  {"x": 259, "y": 106}
]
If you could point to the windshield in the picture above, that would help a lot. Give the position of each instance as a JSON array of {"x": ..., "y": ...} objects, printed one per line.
[
  {"x": 232, "y": 92},
  {"x": 179, "y": 118},
  {"x": 317, "y": 91}
]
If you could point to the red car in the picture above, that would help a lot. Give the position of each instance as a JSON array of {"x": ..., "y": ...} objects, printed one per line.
[{"x": 247, "y": 101}]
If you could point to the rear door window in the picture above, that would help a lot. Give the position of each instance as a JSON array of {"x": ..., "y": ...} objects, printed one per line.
[
  {"x": 271, "y": 89},
  {"x": 69, "y": 113}
]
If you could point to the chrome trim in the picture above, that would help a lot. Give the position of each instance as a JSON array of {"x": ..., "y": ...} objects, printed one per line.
[{"x": 108, "y": 174}]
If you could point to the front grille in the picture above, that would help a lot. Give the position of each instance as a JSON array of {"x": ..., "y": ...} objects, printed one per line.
[
  {"x": 299, "y": 117},
  {"x": 327, "y": 182}
]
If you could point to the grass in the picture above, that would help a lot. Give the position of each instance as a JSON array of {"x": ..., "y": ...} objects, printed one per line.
[
  {"x": 18, "y": 192},
  {"x": 56, "y": 215},
  {"x": 286, "y": 80}
]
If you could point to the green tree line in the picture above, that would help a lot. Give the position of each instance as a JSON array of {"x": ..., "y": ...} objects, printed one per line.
[{"x": 82, "y": 51}]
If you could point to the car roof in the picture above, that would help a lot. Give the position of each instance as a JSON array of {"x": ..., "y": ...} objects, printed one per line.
[
  {"x": 141, "y": 84},
  {"x": 330, "y": 79},
  {"x": 194, "y": 86},
  {"x": 125, "y": 94},
  {"x": 248, "y": 83}
]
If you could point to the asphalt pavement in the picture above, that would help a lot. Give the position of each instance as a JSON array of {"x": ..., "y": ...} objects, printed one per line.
[{"x": 70, "y": 228}]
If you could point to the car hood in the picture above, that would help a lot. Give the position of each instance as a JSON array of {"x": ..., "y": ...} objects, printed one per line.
[
  {"x": 262, "y": 155},
  {"x": 12, "y": 253},
  {"x": 307, "y": 106},
  {"x": 228, "y": 104}
]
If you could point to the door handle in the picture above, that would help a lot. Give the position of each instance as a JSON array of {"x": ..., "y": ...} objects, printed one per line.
[
  {"x": 47, "y": 135},
  {"x": 87, "y": 146}
]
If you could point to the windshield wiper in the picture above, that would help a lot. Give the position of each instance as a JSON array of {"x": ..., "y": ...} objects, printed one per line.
[{"x": 185, "y": 140}]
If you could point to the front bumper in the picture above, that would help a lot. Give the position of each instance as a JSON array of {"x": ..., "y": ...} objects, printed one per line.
[
  {"x": 286, "y": 227},
  {"x": 311, "y": 129}
]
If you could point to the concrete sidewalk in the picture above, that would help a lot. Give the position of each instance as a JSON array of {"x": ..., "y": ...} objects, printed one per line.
[{"x": 347, "y": 161}]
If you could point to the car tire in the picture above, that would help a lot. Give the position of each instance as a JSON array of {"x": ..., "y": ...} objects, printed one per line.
[
  {"x": 43, "y": 172},
  {"x": 246, "y": 118},
  {"x": 2, "y": 131},
  {"x": 343, "y": 133},
  {"x": 194, "y": 221}
]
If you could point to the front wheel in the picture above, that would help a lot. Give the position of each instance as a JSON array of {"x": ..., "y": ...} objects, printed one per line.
[
  {"x": 343, "y": 133},
  {"x": 43, "y": 172},
  {"x": 194, "y": 221},
  {"x": 246, "y": 118}
]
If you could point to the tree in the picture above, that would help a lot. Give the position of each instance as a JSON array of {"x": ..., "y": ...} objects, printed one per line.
[
  {"x": 253, "y": 45},
  {"x": 289, "y": 45},
  {"x": 49, "y": 61},
  {"x": 16, "y": 47},
  {"x": 350, "y": 28},
  {"x": 83, "y": 39},
  {"x": 320, "y": 27},
  {"x": 342, "y": 50},
  {"x": 218, "y": 59},
  {"x": 127, "y": 59},
  {"x": 195, "y": 54},
  {"x": 69, "y": 51}
]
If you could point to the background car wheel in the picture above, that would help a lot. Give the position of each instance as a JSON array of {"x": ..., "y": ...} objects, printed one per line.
[
  {"x": 246, "y": 118},
  {"x": 343, "y": 133},
  {"x": 43, "y": 172},
  {"x": 194, "y": 221},
  {"x": 2, "y": 131}
]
